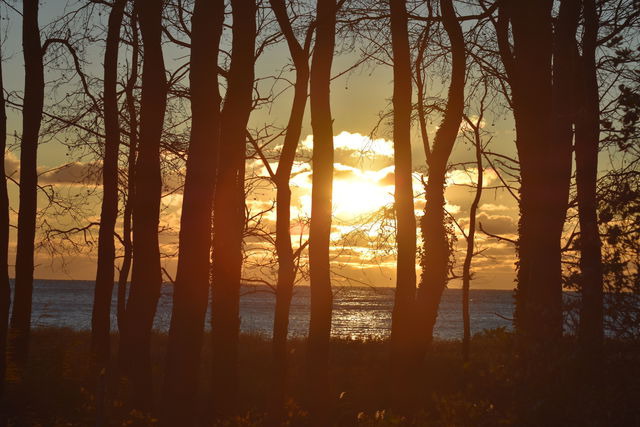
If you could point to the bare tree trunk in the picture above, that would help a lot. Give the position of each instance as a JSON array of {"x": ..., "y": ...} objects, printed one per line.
[
  {"x": 191, "y": 288},
  {"x": 229, "y": 209},
  {"x": 402, "y": 320},
  {"x": 436, "y": 252},
  {"x": 321, "y": 203},
  {"x": 32, "y": 117},
  {"x": 5, "y": 289},
  {"x": 101, "y": 320},
  {"x": 587, "y": 144},
  {"x": 146, "y": 278},
  {"x": 544, "y": 165},
  {"x": 284, "y": 249},
  {"x": 125, "y": 268},
  {"x": 471, "y": 234},
  {"x": 540, "y": 75}
]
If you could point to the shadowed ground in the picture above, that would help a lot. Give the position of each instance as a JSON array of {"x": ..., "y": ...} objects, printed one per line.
[{"x": 57, "y": 389}]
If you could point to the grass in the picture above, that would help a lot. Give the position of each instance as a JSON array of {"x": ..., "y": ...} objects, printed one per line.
[{"x": 57, "y": 389}]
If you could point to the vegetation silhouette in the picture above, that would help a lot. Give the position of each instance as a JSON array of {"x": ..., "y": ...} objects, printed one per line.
[{"x": 165, "y": 108}]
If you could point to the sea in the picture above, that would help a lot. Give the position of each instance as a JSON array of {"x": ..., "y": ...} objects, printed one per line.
[{"x": 358, "y": 312}]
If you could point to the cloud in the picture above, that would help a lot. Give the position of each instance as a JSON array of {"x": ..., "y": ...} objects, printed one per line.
[
  {"x": 11, "y": 164},
  {"x": 470, "y": 177},
  {"x": 358, "y": 150},
  {"x": 343, "y": 173},
  {"x": 80, "y": 173},
  {"x": 498, "y": 224},
  {"x": 491, "y": 207},
  {"x": 388, "y": 179}
]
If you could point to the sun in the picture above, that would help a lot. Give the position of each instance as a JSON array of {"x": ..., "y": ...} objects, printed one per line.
[
  {"x": 362, "y": 180},
  {"x": 359, "y": 194}
]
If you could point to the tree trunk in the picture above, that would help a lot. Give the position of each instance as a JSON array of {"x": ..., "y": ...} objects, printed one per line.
[
  {"x": 471, "y": 234},
  {"x": 587, "y": 145},
  {"x": 101, "y": 320},
  {"x": 545, "y": 165},
  {"x": 284, "y": 249},
  {"x": 191, "y": 288},
  {"x": 436, "y": 252},
  {"x": 402, "y": 320},
  {"x": 321, "y": 203},
  {"x": 146, "y": 276},
  {"x": 125, "y": 268},
  {"x": 541, "y": 95},
  {"x": 229, "y": 209},
  {"x": 5, "y": 289},
  {"x": 31, "y": 119}
]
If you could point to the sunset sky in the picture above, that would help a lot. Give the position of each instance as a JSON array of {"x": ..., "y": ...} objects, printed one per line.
[{"x": 363, "y": 171}]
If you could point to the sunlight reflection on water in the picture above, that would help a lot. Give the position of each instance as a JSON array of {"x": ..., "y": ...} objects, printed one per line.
[{"x": 359, "y": 312}]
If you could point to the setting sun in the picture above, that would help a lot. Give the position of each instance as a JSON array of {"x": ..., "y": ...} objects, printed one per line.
[{"x": 359, "y": 194}]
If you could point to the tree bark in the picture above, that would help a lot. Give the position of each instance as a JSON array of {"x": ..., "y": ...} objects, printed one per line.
[
  {"x": 587, "y": 146},
  {"x": 31, "y": 120},
  {"x": 402, "y": 327},
  {"x": 146, "y": 276},
  {"x": 5, "y": 289},
  {"x": 229, "y": 209},
  {"x": 436, "y": 252},
  {"x": 321, "y": 204},
  {"x": 284, "y": 249},
  {"x": 191, "y": 288},
  {"x": 101, "y": 319}
]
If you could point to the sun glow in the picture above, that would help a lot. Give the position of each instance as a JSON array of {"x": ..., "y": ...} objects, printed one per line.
[
  {"x": 359, "y": 195},
  {"x": 363, "y": 177}
]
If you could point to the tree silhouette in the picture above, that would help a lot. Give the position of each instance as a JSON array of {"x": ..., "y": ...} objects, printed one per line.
[
  {"x": 191, "y": 287},
  {"x": 5, "y": 289},
  {"x": 146, "y": 276},
  {"x": 403, "y": 326},
  {"x": 101, "y": 320},
  {"x": 300, "y": 53},
  {"x": 229, "y": 208},
  {"x": 321, "y": 204},
  {"x": 436, "y": 253},
  {"x": 587, "y": 143},
  {"x": 31, "y": 120}
]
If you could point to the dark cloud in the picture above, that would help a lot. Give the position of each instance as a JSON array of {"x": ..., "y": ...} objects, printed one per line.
[
  {"x": 498, "y": 224},
  {"x": 80, "y": 173},
  {"x": 11, "y": 165}
]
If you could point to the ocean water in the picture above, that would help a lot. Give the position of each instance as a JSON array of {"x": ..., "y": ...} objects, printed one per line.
[{"x": 358, "y": 312}]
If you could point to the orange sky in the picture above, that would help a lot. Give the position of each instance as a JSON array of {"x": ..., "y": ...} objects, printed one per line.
[{"x": 363, "y": 181}]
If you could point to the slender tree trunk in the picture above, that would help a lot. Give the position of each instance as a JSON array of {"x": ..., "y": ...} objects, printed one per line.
[
  {"x": 436, "y": 252},
  {"x": 125, "y": 268},
  {"x": 5, "y": 289},
  {"x": 466, "y": 266},
  {"x": 229, "y": 209},
  {"x": 321, "y": 203},
  {"x": 31, "y": 120},
  {"x": 146, "y": 277},
  {"x": 402, "y": 319},
  {"x": 284, "y": 249},
  {"x": 101, "y": 320},
  {"x": 191, "y": 288},
  {"x": 587, "y": 145}
]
